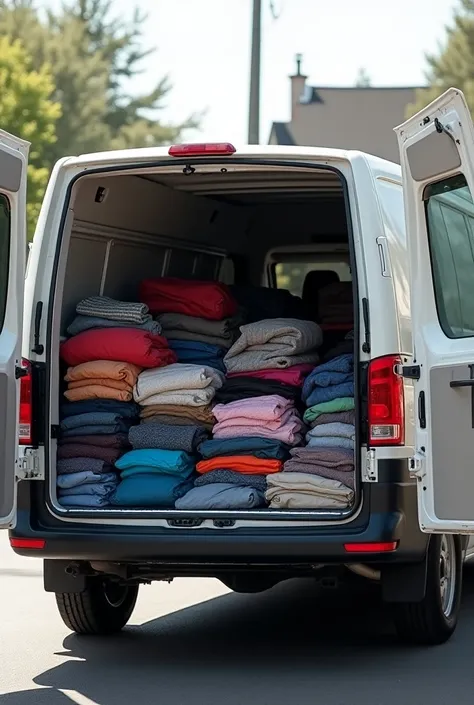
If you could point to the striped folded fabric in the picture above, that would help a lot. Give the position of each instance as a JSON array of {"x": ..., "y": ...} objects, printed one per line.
[{"x": 105, "y": 307}]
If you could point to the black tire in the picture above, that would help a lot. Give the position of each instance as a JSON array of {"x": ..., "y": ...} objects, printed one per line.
[
  {"x": 429, "y": 622},
  {"x": 103, "y": 608}
]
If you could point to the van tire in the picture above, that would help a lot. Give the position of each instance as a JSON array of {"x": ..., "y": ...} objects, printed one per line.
[
  {"x": 103, "y": 608},
  {"x": 433, "y": 620}
]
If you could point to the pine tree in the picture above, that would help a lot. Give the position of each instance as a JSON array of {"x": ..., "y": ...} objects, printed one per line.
[{"x": 454, "y": 63}]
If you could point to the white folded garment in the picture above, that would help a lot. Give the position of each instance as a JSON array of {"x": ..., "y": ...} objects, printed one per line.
[
  {"x": 182, "y": 397},
  {"x": 179, "y": 377}
]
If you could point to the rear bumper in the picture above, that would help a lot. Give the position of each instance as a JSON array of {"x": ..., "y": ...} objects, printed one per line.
[{"x": 389, "y": 514}]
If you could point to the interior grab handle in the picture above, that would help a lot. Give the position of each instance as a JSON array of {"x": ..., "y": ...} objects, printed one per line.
[
  {"x": 462, "y": 383},
  {"x": 459, "y": 383}
]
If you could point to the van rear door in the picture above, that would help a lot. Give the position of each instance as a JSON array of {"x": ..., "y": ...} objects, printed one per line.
[
  {"x": 437, "y": 158},
  {"x": 13, "y": 168}
]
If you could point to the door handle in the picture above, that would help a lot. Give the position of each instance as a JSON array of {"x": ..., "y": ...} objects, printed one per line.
[{"x": 462, "y": 383}]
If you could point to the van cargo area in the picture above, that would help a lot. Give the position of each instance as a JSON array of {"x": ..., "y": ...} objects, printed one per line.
[{"x": 249, "y": 225}]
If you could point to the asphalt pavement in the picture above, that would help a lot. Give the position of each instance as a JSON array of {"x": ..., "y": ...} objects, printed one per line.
[{"x": 195, "y": 643}]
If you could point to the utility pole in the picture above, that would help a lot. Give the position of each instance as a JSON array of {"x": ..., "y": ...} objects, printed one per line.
[{"x": 254, "y": 102}]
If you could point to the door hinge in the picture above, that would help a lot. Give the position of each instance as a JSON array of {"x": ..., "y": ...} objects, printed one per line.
[
  {"x": 29, "y": 466},
  {"x": 408, "y": 371},
  {"x": 417, "y": 466},
  {"x": 370, "y": 472}
]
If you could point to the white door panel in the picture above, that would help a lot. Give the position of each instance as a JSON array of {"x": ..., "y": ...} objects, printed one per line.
[
  {"x": 13, "y": 166},
  {"x": 437, "y": 158}
]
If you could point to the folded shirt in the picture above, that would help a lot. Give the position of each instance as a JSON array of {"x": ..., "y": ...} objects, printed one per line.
[
  {"x": 195, "y": 413},
  {"x": 343, "y": 430},
  {"x": 124, "y": 409},
  {"x": 205, "y": 299},
  {"x": 274, "y": 343},
  {"x": 174, "y": 378},
  {"x": 85, "y": 501},
  {"x": 245, "y": 464},
  {"x": 168, "y": 420},
  {"x": 112, "y": 440},
  {"x": 99, "y": 418},
  {"x": 102, "y": 370},
  {"x": 77, "y": 465},
  {"x": 233, "y": 478},
  {"x": 182, "y": 397},
  {"x": 333, "y": 463},
  {"x": 167, "y": 437},
  {"x": 137, "y": 347},
  {"x": 225, "y": 330},
  {"x": 256, "y": 446},
  {"x": 336, "y": 371},
  {"x": 83, "y": 323},
  {"x": 170, "y": 462},
  {"x": 97, "y": 429},
  {"x": 221, "y": 496},
  {"x": 335, "y": 417},
  {"x": 79, "y": 450},
  {"x": 102, "y": 382},
  {"x": 97, "y": 391},
  {"x": 266, "y": 408},
  {"x": 150, "y": 491},
  {"x": 99, "y": 489},
  {"x": 238, "y": 421},
  {"x": 320, "y": 395},
  {"x": 75, "y": 479},
  {"x": 188, "y": 351},
  {"x": 105, "y": 307},
  {"x": 331, "y": 442},
  {"x": 289, "y": 432},
  {"x": 335, "y": 405},
  {"x": 294, "y": 375},
  {"x": 303, "y": 491},
  {"x": 244, "y": 387}
]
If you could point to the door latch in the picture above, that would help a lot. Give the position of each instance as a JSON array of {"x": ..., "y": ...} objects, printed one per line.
[
  {"x": 417, "y": 466},
  {"x": 29, "y": 466},
  {"x": 370, "y": 470}
]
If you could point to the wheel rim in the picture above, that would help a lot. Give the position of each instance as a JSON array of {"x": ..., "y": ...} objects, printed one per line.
[
  {"x": 114, "y": 593},
  {"x": 447, "y": 574}
]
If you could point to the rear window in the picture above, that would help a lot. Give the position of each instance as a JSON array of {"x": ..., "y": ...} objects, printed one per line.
[{"x": 292, "y": 275}]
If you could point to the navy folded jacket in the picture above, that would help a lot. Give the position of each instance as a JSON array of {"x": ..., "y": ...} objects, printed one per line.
[
  {"x": 195, "y": 353},
  {"x": 126, "y": 409},
  {"x": 265, "y": 448}
]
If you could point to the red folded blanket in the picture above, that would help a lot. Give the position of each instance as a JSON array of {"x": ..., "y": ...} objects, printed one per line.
[
  {"x": 138, "y": 347},
  {"x": 205, "y": 299}
]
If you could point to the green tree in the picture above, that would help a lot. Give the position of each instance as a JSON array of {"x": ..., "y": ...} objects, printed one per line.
[
  {"x": 94, "y": 58},
  {"x": 27, "y": 110},
  {"x": 453, "y": 65}
]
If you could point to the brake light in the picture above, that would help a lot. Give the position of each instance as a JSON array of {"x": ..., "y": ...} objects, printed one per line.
[
  {"x": 201, "y": 150},
  {"x": 386, "y": 403},
  {"x": 37, "y": 544},
  {"x": 26, "y": 406},
  {"x": 376, "y": 547}
]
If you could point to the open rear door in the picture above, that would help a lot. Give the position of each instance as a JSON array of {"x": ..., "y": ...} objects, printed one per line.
[
  {"x": 437, "y": 158},
  {"x": 13, "y": 167}
]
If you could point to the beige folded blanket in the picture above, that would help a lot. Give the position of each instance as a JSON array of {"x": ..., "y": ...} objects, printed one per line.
[{"x": 301, "y": 491}]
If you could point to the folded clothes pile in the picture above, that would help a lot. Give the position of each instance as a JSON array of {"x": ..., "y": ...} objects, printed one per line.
[
  {"x": 179, "y": 326},
  {"x": 95, "y": 421},
  {"x": 321, "y": 474},
  {"x": 153, "y": 477},
  {"x": 270, "y": 416}
]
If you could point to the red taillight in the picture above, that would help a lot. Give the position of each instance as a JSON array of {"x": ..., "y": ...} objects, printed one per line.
[
  {"x": 37, "y": 544},
  {"x": 386, "y": 403},
  {"x": 26, "y": 406},
  {"x": 380, "y": 547},
  {"x": 201, "y": 150}
]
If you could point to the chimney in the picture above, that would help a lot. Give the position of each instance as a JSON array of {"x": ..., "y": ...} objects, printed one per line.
[{"x": 298, "y": 86}]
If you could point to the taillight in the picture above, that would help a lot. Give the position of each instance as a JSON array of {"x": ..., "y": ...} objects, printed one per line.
[
  {"x": 36, "y": 544},
  {"x": 26, "y": 406},
  {"x": 201, "y": 150},
  {"x": 386, "y": 403}
]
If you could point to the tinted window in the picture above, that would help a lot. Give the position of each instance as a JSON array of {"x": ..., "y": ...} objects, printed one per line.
[
  {"x": 4, "y": 254},
  {"x": 450, "y": 218}
]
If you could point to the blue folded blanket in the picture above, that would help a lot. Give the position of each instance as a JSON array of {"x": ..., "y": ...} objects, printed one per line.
[
  {"x": 221, "y": 495},
  {"x": 337, "y": 371},
  {"x": 97, "y": 430},
  {"x": 264, "y": 448},
  {"x": 319, "y": 395},
  {"x": 94, "y": 418},
  {"x": 99, "y": 489},
  {"x": 150, "y": 490},
  {"x": 153, "y": 461},
  {"x": 125, "y": 409},
  {"x": 331, "y": 442},
  {"x": 190, "y": 351},
  {"x": 75, "y": 479},
  {"x": 84, "y": 501},
  {"x": 82, "y": 323}
]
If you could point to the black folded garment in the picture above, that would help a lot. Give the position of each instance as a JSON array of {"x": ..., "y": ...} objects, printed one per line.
[
  {"x": 262, "y": 302},
  {"x": 167, "y": 437},
  {"x": 246, "y": 387}
]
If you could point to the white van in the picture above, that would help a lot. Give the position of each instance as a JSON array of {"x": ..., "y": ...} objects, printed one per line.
[{"x": 241, "y": 216}]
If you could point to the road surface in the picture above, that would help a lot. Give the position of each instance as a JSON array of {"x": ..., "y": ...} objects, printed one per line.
[{"x": 194, "y": 643}]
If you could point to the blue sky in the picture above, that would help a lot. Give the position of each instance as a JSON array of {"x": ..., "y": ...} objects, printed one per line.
[{"x": 204, "y": 46}]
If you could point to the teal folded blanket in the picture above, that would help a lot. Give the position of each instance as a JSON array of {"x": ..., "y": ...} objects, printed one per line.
[
  {"x": 176, "y": 463},
  {"x": 150, "y": 491}
]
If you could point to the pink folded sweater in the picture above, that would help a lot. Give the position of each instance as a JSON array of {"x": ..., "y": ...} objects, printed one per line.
[
  {"x": 266, "y": 408},
  {"x": 273, "y": 425},
  {"x": 295, "y": 376},
  {"x": 289, "y": 432}
]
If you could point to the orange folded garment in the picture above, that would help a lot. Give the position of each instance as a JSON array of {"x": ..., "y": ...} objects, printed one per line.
[
  {"x": 100, "y": 369},
  {"x": 246, "y": 464},
  {"x": 101, "y": 382},
  {"x": 97, "y": 391}
]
